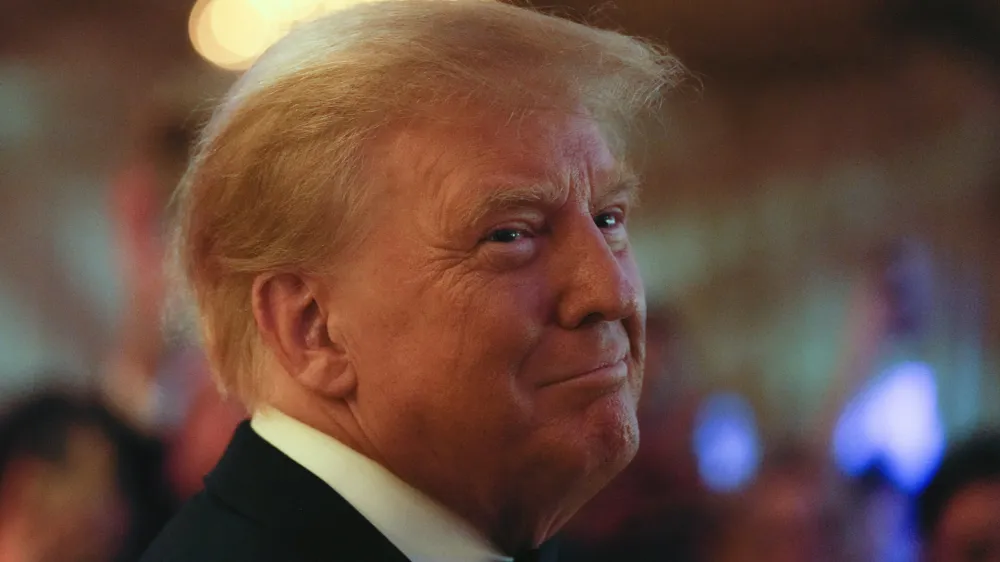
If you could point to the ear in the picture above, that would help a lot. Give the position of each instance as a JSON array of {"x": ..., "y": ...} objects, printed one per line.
[{"x": 296, "y": 327}]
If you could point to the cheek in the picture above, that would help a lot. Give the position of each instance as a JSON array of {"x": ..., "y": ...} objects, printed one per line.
[
  {"x": 636, "y": 325},
  {"x": 631, "y": 271},
  {"x": 454, "y": 354},
  {"x": 450, "y": 338}
]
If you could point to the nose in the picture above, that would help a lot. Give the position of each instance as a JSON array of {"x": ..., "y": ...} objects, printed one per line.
[{"x": 598, "y": 284}]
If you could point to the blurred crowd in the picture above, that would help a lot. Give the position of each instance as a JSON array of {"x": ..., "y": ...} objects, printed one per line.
[{"x": 93, "y": 475}]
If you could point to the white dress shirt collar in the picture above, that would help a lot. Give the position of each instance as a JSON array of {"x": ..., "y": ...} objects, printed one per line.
[{"x": 422, "y": 529}]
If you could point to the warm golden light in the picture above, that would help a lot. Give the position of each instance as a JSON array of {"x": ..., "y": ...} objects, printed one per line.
[
  {"x": 231, "y": 34},
  {"x": 285, "y": 10}
]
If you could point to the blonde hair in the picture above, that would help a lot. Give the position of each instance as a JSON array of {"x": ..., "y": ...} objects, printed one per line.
[{"x": 280, "y": 176}]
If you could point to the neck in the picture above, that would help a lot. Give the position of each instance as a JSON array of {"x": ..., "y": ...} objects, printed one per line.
[
  {"x": 517, "y": 526},
  {"x": 510, "y": 527},
  {"x": 333, "y": 418}
]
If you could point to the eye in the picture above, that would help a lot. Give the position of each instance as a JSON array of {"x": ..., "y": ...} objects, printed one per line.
[
  {"x": 609, "y": 220},
  {"x": 506, "y": 235},
  {"x": 510, "y": 247}
]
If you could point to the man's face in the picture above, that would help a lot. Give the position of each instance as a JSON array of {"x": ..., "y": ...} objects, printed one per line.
[
  {"x": 969, "y": 530},
  {"x": 496, "y": 315},
  {"x": 78, "y": 513}
]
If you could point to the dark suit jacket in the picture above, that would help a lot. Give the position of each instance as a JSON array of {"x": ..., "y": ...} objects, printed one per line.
[{"x": 260, "y": 506}]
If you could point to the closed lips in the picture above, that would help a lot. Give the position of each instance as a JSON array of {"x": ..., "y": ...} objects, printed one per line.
[{"x": 594, "y": 367}]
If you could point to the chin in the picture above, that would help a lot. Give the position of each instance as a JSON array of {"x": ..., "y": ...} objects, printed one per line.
[
  {"x": 572, "y": 459},
  {"x": 605, "y": 443},
  {"x": 611, "y": 434}
]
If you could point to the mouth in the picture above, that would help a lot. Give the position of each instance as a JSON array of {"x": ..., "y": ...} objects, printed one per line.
[{"x": 606, "y": 374}]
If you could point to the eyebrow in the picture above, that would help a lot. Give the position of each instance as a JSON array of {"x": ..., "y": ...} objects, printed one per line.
[
  {"x": 626, "y": 183},
  {"x": 509, "y": 196},
  {"x": 513, "y": 194}
]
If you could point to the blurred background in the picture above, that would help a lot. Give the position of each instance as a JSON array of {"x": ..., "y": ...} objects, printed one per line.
[{"x": 819, "y": 241}]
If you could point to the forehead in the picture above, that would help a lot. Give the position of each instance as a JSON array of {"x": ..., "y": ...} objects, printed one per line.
[{"x": 462, "y": 159}]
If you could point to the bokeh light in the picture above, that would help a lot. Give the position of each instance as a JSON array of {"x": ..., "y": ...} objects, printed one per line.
[
  {"x": 895, "y": 421},
  {"x": 231, "y": 34},
  {"x": 726, "y": 443}
]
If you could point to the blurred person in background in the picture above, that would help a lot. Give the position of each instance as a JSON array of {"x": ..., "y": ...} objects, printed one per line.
[
  {"x": 405, "y": 233},
  {"x": 156, "y": 385},
  {"x": 60, "y": 498},
  {"x": 789, "y": 514},
  {"x": 797, "y": 508},
  {"x": 163, "y": 412},
  {"x": 958, "y": 513}
]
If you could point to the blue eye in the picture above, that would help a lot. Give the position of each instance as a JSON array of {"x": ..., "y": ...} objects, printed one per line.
[{"x": 505, "y": 235}]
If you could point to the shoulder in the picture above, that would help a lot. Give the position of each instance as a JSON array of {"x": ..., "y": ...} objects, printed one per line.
[{"x": 205, "y": 530}]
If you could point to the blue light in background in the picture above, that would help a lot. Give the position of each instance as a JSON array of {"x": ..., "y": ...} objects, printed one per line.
[
  {"x": 726, "y": 443},
  {"x": 895, "y": 420}
]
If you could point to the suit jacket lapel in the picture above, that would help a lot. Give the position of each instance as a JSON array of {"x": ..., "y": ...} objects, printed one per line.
[{"x": 263, "y": 484}]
